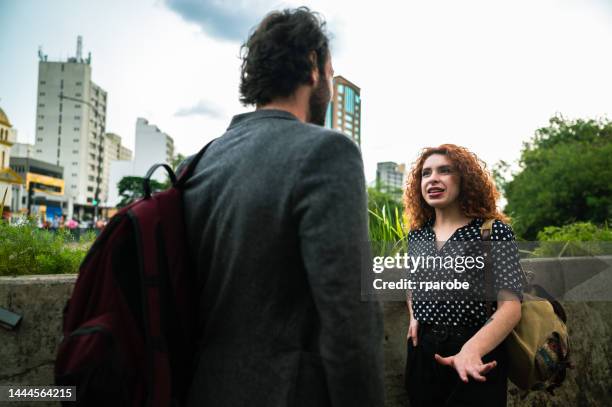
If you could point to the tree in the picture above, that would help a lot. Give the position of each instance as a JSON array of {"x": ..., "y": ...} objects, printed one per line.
[
  {"x": 132, "y": 188},
  {"x": 564, "y": 177},
  {"x": 176, "y": 160}
]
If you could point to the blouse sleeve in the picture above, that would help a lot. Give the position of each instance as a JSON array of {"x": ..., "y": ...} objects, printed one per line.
[{"x": 507, "y": 270}]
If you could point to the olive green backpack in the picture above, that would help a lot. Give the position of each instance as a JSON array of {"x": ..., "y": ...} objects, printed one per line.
[{"x": 538, "y": 347}]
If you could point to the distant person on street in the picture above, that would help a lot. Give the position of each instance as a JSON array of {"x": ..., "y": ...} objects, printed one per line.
[{"x": 276, "y": 216}]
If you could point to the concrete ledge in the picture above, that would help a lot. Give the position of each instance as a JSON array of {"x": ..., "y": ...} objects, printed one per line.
[{"x": 28, "y": 354}]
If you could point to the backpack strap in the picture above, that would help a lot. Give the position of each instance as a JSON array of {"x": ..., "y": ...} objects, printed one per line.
[
  {"x": 185, "y": 170},
  {"x": 485, "y": 231}
]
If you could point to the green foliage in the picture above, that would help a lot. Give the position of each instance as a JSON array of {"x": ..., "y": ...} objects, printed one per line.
[
  {"x": 131, "y": 189},
  {"x": 177, "y": 160},
  {"x": 26, "y": 249},
  {"x": 576, "y": 232},
  {"x": 576, "y": 239},
  {"x": 386, "y": 223},
  {"x": 564, "y": 178}
]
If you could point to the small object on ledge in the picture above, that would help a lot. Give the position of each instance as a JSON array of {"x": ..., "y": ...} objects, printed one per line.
[{"x": 9, "y": 320}]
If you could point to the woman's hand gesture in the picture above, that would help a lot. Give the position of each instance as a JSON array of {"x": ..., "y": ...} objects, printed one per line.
[{"x": 467, "y": 363}]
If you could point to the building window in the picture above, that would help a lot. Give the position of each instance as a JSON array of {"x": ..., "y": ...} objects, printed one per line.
[
  {"x": 75, "y": 151},
  {"x": 349, "y": 100},
  {"x": 73, "y": 186},
  {"x": 40, "y": 116},
  {"x": 340, "y": 88},
  {"x": 41, "y": 94},
  {"x": 39, "y": 139},
  {"x": 91, "y": 177},
  {"x": 79, "y": 83},
  {"x": 77, "y": 117},
  {"x": 77, "y": 94},
  {"x": 43, "y": 82},
  {"x": 90, "y": 189},
  {"x": 41, "y": 105},
  {"x": 39, "y": 151},
  {"x": 75, "y": 163},
  {"x": 77, "y": 106},
  {"x": 75, "y": 175},
  {"x": 40, "y": 127}
]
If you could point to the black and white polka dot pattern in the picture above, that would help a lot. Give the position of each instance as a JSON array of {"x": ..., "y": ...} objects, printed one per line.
[{"x": 472, "y": 311}]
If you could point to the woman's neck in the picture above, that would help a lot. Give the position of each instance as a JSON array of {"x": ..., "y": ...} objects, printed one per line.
[{"x": 452, "y": 215}]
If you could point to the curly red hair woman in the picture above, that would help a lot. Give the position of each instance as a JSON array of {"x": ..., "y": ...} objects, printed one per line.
[
  {"x": 478, "y": 194},
  {"x": 455, "y": 350}
]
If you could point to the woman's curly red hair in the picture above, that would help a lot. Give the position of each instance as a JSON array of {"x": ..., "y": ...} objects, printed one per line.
[{"x": 478, "y": 194}]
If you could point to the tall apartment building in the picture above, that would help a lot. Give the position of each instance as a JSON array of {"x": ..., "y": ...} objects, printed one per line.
[
  {"x": 70, "y": 128},
  {"x": 344, "y": 111},
  {"x": 115, "y": 150},
  {"x": 390, "y": 177}
]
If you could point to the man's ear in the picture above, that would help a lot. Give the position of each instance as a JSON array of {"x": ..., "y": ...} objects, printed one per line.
[{"x": 314, "y": 73}]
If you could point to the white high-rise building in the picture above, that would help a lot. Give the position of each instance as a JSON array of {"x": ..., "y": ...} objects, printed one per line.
[
  {"x": 70, "y": 128},
  {"x": 152, "y": 147}
]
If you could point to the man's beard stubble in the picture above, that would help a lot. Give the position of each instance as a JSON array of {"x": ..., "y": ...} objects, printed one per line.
[{"x": 317, "y": 104}]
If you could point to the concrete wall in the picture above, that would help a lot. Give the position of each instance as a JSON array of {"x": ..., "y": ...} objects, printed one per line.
[{"x": 27, "y": 355}]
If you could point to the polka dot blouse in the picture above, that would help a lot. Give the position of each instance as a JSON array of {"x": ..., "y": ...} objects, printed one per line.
[{"x": 431, "y": 307}]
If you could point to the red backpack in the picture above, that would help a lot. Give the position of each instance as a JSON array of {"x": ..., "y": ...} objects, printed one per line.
[{"x": 130, "y": 325}]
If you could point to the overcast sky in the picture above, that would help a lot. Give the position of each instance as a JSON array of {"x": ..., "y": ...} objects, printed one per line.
[{"x": 483, "y": 74}]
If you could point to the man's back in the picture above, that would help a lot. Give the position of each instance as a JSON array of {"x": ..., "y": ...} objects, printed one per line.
[{"x": 277, "y": 224}]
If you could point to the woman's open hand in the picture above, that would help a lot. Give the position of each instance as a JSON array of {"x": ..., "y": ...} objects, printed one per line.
[{"x": 467, "y": 363}]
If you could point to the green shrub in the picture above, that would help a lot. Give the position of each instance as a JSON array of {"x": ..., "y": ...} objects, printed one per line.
[
  {"x": 576, "y": 239},
  {"x": 28, "y": 250}
]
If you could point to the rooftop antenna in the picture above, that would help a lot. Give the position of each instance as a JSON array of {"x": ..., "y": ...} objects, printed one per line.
[
  {"x": 40, "y": 53},
  {"x": 79, "y": 53}
]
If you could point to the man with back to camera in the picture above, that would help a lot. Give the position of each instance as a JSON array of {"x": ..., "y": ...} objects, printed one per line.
[{"x": 276, "y": 218}]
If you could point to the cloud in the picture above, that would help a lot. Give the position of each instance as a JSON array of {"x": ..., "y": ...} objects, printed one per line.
[
  {"x": 221, "y": 19},
  {"x": 202, "y": 108}
]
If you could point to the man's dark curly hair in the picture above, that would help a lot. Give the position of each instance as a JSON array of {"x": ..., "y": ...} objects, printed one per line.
[{"x": 276, "y": 58}]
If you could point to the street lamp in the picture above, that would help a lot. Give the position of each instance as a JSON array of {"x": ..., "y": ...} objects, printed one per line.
[{"x": 96, "y": 200}]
